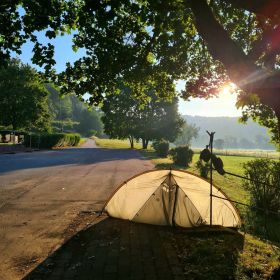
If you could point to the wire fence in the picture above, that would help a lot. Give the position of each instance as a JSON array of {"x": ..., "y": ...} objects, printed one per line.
[{"x": 269, "y": 154}]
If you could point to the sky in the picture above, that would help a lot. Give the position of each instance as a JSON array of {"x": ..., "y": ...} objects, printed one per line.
[{"x": 222, "y": 106}]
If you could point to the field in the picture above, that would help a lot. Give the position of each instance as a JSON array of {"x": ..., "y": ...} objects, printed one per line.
[
  {"x": 242, "y": 256},
  {"x": 271, "y": 154}
]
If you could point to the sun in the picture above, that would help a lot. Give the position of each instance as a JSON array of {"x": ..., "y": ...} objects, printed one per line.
[{"x": 226, "y": 90}]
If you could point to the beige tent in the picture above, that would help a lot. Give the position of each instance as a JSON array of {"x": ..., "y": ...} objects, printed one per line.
[{"x": 171, "y": 197}]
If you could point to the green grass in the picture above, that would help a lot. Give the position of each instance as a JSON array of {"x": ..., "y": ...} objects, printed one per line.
[
  {"x": 222, "y": 256},
  {"x": 82, "y": 141},
  {"x": 116, "y": 144}
]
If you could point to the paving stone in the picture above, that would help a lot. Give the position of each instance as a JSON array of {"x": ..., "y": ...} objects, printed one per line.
[
  {"x": 99, "y": 263},
  {"x": 167, "y": 246},
  {"x": 110, "y": 276},
  {"x": 177, "y": 271},
  {"x": 136, "y": 266},
  {"x": 124, "y": 254},
  {"x": 85, "y": 270},
  {"x": 69, "y": 274},
  {"x": 171, "y": 253},
  {"x": 148, "y": 260},
  {"x": 135, "y": 252},
  {"x": 124, "y": 262},
  {"x": 147, "y": 254},
  {"x": 164, "y": 272},
  {"x": 136, "y": 259},
  {"x": 151, "y": 277},
  {"x": 160, "y": 263},
  {"x": 112, "y": 260},
  {"x": 173, "y": 261},
  {"x": 58, "y": 271},
  {"x": 124, "y": 270},
  {"x": 110, "y": 268},
  {"x": 53, "y": 278},
  {"x": 150, "y": 269},
  {"x": 179, "y": 278},
  {"x": 113, "y": 253},
  {"x": 123, "y": 277},
  {"x": 137, "y": 275}
]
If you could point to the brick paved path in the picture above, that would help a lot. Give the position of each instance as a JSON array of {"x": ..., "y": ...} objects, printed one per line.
[{"x": 113, "y": 249}]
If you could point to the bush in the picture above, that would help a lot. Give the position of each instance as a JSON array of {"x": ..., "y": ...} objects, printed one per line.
[
  {"x": 49, "y": 141},
  {"x": 161, "y": 148},
  {"x": 263, "y": 170},
  {"x": 203, "y": 168},
  {"x": 181, "y": 155}
]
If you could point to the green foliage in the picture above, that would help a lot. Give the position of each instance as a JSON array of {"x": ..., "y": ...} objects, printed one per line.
[
  {"x": 125, "y": 118},
  {"x": 68, "y": 125},
  {"x": 181, "y": 155},
  {"x": 263, "y": 171},
  {"x": 190, "y": 131},
  {"x": 60, "y": 107},
  {"x": 219, "y": 144},
  {"x": 55, "y": 140},
  {"x": 90, "y": 124},
  {"x": 206, "y": 43},
  {"x": 161, "y": 147},
  {"x": 203, "y": 168},
  {"x": 22, "y": 98}
]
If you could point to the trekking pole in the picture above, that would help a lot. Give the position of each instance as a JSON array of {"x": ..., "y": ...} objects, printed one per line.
[{"x": 211, "y": 171}]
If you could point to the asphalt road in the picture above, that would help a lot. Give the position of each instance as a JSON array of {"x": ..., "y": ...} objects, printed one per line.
[{"x": 41, "y": 193}]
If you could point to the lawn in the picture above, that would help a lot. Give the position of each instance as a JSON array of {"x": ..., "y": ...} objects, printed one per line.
[{"x": 239, "y": 256}]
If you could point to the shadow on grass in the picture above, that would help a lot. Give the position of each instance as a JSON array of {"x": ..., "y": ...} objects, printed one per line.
[{"x": 119, "y": 249}]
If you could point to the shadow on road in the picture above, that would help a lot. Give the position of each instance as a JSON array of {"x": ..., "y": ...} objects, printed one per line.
[
  {"x": 119, "y": 249},
  {"x": 72, "y": 156}
]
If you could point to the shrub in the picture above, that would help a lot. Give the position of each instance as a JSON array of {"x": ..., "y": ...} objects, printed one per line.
[
  {"x": 181, "y": 155},
  {"x": 203, "y": 168},
  {"x": 49, "y": 141},
  {"x": 161, "y": 148},
  {"x": 263, "y": 170}
]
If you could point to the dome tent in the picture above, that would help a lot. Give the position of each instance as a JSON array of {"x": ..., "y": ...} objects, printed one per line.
[{"x": 171, "y": 197}]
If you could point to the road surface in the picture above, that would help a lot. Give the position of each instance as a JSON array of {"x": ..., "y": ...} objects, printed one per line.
[{"x": 42, "y": 196}]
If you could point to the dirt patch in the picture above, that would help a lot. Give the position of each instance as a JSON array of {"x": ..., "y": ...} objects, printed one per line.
[{"x": 25, "y": 263}]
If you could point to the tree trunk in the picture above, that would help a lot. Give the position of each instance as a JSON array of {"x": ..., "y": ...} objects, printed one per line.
[
  {"x": 145, "y": 143},
  {"x": 131, "y": 142}
]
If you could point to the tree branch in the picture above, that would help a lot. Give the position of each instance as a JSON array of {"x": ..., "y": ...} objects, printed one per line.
[{"x": 266, "y": 8}]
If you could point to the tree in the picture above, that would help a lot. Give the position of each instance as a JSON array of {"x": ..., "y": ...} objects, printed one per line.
[
  {"x": 262, "y": 141},
  {"x": 22, "y": 98},
  {"x": 230, "y": 142},
  {"x": 219, "y": 144},
  {"x": 125, "y": 118},
  {"x": 190, "y": 131},
  {"x": 245, "y": 143},
  {"x": 59, "y": 106},
  {"x": 90, "y": 123},
  {"x": 208, "y": 43}
]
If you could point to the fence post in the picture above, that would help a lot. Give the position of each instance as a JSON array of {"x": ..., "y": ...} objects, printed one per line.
[
  {"x": 30, "y": 135},
  {"x": 39, "y": 142},
  {"x": 264, "y": 191}
]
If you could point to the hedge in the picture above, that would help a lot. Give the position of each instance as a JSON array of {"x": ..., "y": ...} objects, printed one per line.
[{"x": 54, "y": 140}]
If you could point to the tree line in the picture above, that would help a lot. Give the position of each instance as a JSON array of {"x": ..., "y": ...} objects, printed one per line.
[{"x": 27, "y": 103}]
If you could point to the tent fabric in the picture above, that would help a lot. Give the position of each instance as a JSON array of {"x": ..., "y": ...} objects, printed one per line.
[{"x": 171, "y": 197}]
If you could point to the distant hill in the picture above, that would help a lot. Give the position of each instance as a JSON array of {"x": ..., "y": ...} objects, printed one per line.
[{"x": 224, "y": 126}]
